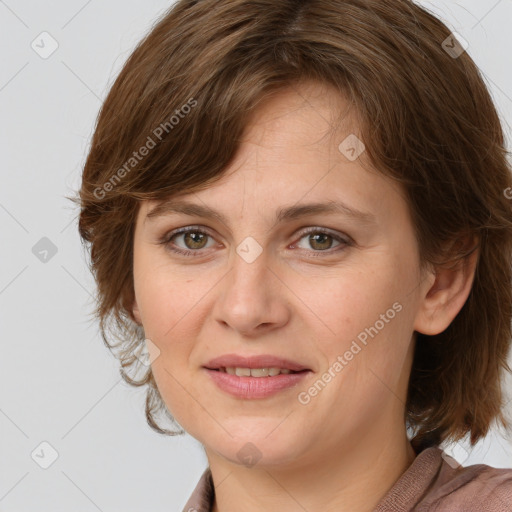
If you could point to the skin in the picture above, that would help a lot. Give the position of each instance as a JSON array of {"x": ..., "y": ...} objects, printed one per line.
[{"x": 346, "y": 448}]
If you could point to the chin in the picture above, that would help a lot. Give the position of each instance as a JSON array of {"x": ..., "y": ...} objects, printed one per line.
[{"x": 255, "y": 447}]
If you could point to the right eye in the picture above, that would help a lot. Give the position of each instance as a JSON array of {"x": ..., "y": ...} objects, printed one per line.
[{"x": 192, "y": 236}]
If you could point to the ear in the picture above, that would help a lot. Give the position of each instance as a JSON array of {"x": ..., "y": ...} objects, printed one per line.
[
  {"x": 442, "y": 300},
  {"x": 136, "y": 312}
]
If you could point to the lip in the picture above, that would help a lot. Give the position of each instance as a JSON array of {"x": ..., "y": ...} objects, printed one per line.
[
  {"x": 255, "y": 387},
  {"x": 258, "y": 361}
]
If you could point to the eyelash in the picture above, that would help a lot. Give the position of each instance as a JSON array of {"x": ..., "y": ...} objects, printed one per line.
[{"x": 166, "y": 240}]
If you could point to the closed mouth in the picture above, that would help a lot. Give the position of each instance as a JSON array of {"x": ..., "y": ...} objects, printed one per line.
[{"x": 256, "y": 372}]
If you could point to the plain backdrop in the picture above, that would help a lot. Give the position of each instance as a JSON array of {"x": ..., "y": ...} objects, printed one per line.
[{"x": 60, "y": 385}]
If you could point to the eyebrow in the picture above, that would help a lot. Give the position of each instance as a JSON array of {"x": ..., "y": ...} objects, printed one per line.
[{"x": 169, "y": 206}]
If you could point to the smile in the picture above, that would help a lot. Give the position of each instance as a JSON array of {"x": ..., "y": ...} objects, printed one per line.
[{"x": 250, "y": 387}]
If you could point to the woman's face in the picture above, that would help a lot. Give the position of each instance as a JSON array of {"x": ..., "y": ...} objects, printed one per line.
[{"x": 342, "y": 300}]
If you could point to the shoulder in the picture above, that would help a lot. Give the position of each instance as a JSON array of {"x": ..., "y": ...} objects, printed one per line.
[
  {"x": 478, "y": 488},
  {"x": 435, "y": 482}
]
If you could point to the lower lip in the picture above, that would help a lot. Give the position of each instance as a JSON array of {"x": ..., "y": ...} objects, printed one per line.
[{"x": 255, "y": 387}]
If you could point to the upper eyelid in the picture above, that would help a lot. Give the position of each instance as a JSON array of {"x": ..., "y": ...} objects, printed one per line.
[
  {"x": 343, "y": 237},
  {"x": 207, "y": 230}
]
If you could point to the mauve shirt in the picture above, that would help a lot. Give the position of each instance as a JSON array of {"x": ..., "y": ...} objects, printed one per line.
[{"x": 434, "y": 482}]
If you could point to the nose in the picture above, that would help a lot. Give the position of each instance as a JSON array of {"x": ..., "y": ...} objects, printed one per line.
[{"x": 252, "y": 298}]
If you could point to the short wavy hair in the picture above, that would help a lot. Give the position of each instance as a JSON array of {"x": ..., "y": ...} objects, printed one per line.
[{"x": 173, "y": 119}]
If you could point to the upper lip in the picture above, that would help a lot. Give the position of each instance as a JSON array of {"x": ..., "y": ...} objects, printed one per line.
[{"x": 258, "y": 361}]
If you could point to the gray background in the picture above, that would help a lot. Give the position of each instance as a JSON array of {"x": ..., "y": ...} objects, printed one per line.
[{"x": 60, "y": 385}]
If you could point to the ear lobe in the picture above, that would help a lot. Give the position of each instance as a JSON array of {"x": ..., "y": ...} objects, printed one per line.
[{"x": 447, "y": 295}]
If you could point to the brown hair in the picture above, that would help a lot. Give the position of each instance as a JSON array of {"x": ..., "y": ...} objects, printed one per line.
[{"x": 186, "y": 94}]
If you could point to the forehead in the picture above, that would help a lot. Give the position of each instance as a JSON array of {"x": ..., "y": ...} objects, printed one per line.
[
  {"x": 317, "y": 110},
  {"x": 289, "y": 164}
]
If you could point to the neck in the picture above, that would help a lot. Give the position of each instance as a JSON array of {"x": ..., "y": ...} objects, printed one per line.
[{"x": 352, "y": 480}]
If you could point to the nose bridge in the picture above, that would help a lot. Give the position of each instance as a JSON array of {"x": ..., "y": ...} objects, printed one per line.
[
  {"x": 249, "y": 295},
  {"x": 249, "y": 273}
]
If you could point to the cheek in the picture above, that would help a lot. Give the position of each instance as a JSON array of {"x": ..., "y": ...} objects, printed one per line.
[
  {"x": 174, "y": 309},
  {"x": 353, "y": 301},
  {"x": 365, "y": 324},
  {"x": 168, "y": 315},
  {"x": 171, "y": 320},
  {"x": 164, "y": 293}
]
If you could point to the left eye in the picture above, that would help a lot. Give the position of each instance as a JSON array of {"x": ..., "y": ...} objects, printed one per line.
[
  {"x": 321, "y": 240},
  {"x": 195, "y": 239}
]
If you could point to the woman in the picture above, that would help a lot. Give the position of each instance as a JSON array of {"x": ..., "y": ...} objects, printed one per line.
[{"x": 299, "y": 210}]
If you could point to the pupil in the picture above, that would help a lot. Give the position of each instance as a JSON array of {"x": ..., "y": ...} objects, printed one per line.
[
  {"x": 193, "y": 236},
  {"x": 314, "y": 239}
]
